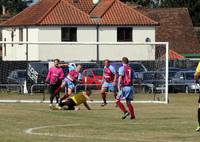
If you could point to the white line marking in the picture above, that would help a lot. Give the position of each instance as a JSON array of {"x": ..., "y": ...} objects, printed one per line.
[
  {"x": 93, "y": 102},
  {"x": 30, "y": 131}
]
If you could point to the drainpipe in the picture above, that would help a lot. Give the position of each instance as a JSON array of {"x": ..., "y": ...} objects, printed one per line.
[
  {"x": 97, "y": 44},
  {"x": 26, "y": 43}
]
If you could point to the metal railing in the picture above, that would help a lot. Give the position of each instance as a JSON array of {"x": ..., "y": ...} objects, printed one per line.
[
  {"x": 37, "y": 85},
  {"x": 13, "y": 85}
]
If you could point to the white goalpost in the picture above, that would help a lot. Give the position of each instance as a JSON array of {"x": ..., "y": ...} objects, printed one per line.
[{"x": 155, "y": 55}]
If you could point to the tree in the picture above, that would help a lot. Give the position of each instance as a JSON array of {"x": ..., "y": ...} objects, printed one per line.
[{"x": 12, "y": 6}]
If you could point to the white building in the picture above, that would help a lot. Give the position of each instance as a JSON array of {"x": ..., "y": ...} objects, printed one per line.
[{"x": 78, "y": 21}]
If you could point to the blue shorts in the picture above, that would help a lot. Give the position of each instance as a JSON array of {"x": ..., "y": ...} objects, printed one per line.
[
  {"x": 69, "y": 84},
  {"x": 109, "y": 86},
  {"x": 126, "y": 93}
]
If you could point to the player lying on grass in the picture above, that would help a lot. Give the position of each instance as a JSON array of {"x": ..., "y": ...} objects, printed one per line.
[
  {"x": 196, "y": 77},
  {"x": 74, "y": 101}
]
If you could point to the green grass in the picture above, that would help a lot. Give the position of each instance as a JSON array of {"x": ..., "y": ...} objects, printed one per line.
[{"x": 175, "y": 122}]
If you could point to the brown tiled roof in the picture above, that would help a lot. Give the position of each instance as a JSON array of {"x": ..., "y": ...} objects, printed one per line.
[
  {"x": 59, "y": 15},
  {"x": 101, "y": 8},
  {"x": 176, "y": 28},
  {"x": 122, "y": 14},
  {"x": 32, "y": 15},
  {"x": 84, "y": 5},
  {"x": 66, "y": 12}
]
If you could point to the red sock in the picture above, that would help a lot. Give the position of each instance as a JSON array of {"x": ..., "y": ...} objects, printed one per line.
[
  {"x": 121, "y": 106},
  {"x": 65, "y": 96},
  {"x": 103, "y": 97},
  {"x": 131, "y": 110},
  {"x": 57, "y": 90}
]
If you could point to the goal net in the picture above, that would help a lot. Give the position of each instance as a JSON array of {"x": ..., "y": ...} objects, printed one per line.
[{"x": 24, "y": 72}]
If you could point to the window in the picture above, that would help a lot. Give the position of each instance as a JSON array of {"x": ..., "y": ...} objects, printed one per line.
[
  {"x": 20, "y": 34},
  {"x": 124, "y": 34},
  {"x": 69, "y": 34}
]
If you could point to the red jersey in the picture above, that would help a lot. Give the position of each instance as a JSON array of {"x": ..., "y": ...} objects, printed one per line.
[
  {"x": 73, "y": 75},
  {"x": 127, "y": 79},
  {"x": 108, "y": 75}
]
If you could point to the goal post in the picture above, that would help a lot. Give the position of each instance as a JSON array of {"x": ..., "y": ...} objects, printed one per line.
[{"x": 155, "y": 53}]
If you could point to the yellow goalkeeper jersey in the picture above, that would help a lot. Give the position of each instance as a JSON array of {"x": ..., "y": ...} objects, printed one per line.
[
  {"x": 198, "y": 68},
  {"x": 79, "y": 98}
]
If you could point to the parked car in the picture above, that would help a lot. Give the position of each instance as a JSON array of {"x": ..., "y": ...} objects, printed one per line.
[
  {"x": 183, "y": 81},
  {"x": 16, "y": 77},
  {"x": 156, "y": 80},
  {"x": 138, "y": 68},
  {"x": 93, "y": 76},
  {"x": 175, "y": 69}
]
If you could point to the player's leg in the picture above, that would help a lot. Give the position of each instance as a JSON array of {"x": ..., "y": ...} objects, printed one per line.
[
  {"x": 103, "y": 92},
  {"x": 52, "y": 95},
  {"x": 131, "y": 109},
  {"x": 69, "y": 91},
  {"x": 129, "y": 97},
  {"x": 63, "y": 84},
  {"x": 121, "y": 105},
  {"x": 70, "y": 103},
  {"x": 198, "y": 113},
  {"x": 112, "y": 88},
  {"x": 70, "y": 86}
]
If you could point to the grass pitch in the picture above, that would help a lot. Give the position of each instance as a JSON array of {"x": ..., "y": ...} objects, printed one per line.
[{"x": 175, "y": 122}]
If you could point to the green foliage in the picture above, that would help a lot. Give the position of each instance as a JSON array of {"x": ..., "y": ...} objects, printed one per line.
[{"x": 13, "y": 6}]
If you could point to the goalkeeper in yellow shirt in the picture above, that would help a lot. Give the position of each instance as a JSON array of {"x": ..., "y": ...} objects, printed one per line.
[
  {"x": 74, "y": 101},
  {"x": 196, "y": 77}
]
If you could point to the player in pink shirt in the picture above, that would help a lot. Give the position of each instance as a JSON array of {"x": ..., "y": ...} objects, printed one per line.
[{"x": 54, "y": 80}]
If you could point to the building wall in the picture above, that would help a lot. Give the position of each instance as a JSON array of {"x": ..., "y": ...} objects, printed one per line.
[
  {"x": 17, "y": 52},
  {"x": 67, "y": 52},
  {"x": 80, "y": 52},
  {"x": 133, "y": 52}
]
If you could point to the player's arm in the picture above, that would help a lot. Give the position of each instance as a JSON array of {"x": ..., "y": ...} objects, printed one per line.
[
  {"x": 121, "y": 73},
  {"x": 87, "y": 97},
  {"x": 86, "y": 105},
  {"x": 119, "y": 82},
  {"x": 115, "y": 77},
  {"x": 48, "y": 76}
]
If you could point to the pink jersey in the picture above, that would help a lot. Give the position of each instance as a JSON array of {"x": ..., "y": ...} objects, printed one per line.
[
  {"x": 127, "y": 79},
  {"x": 73, "y": 75},
  {"x": 108, "y": 75},
  {"x": 54, "y": 75}
]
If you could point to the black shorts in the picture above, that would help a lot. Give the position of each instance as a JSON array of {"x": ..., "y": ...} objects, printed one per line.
[
  {"x": 70, "y": 103},
  {"x": 53, "y": 87}
]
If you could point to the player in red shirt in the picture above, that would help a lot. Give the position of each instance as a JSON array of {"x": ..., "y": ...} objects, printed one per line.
[
  {"x": 125, "y": 87},
  {"x": 109, "y": 81}
]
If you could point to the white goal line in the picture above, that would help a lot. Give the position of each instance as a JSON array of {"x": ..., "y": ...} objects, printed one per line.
[{"x": 91, "y": 102}]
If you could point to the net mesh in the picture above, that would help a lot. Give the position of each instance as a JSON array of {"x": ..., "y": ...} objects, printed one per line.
[{"x": 147, "y": 60}]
